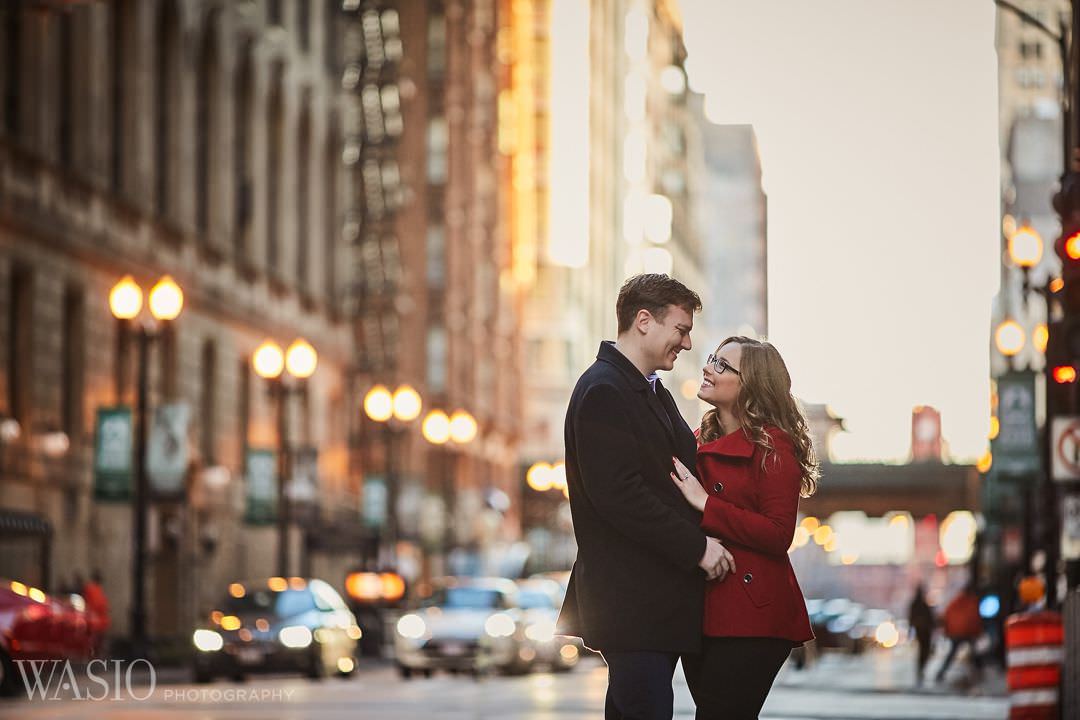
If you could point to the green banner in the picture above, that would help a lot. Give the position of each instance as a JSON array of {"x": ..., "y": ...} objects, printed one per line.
[
  {"x": 375, "y": 501},
  {"x": 113, "y": 455},
  {"x": 1016, "y": 448},
  {"x": 261, "y": 490}
]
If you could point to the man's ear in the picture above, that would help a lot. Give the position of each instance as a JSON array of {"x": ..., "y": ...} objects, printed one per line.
[{"x": 643, "y": 320}]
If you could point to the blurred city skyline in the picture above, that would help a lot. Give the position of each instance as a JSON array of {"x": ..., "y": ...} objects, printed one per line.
[{"x": 877, "y": 126}]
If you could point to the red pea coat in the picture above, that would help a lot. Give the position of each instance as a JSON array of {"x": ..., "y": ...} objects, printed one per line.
[{"x": 753, "y": 512}]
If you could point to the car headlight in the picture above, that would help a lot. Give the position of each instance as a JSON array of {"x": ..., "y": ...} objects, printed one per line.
[
  {"x": 411, "y": 627},
  {"x": 295, "y": 636},
  {"x": 541, "y": 631},
  {"x": 887, "y": 634},
  {"x": 500, "y": 625},
  {"x": 207, "y": 640}
]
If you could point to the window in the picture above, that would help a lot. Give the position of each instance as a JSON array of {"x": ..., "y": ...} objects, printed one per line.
[
  {"x": 165, "y": 68},
  {"x": 302, "y": 177},
  {"x": 436, "y": 256},
  {"x": 436, "y": 38},
  {"x": 244, "y": 405},
  {"x": 12, "y": 65},
  {"x": 1030, "y": 50},
  {"x": 119, "y": 28},
  {"x": 332, "y": 223},
  {"x": 303, "y": 23},
  {"x": 20, "y": 345},
  {"x": 436, "y": 359},
  {"x": 72, "y": 364},
  {"x": 207, "y": 405},
  {"x": 166, "y": 347},
  {"x": 438, "y": 141},
  {"x": 64, "y": 90},
  {"x": 206, "y": 111},
  {"x": 122, "y": 362},
  {"x": 242, "y": 154},
  {"x": 275, "y": 140},
  {"x": 330, "y": 37}
]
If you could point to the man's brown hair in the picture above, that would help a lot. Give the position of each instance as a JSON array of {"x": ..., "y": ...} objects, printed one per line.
[{"x": 653, "y": 292}]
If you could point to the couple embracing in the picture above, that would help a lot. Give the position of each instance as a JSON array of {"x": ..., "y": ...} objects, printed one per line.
[{"x": 683, "y": 536}]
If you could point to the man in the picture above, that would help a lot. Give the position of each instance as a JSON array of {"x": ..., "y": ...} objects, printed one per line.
[{"x": 636, "y": 592}]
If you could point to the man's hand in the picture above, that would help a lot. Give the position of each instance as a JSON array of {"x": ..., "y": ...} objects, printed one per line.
[{"x": 717, "y": 562}]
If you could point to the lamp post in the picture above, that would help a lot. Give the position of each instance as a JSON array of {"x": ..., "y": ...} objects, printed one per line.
[
  {"x": 125, "y": 302},
  {"x": 392, "y": 411},
  {"x": 271, "y": 364}
]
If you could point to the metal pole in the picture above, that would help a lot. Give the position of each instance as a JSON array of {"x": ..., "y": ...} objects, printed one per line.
[
  {"x": 391, "y": 488},
  {"x": 141, "y": 504},
  {"x": 278, "y": 388}
]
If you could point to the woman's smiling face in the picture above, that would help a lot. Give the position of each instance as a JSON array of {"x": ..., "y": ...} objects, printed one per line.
[{"x": 720, "y": 382}]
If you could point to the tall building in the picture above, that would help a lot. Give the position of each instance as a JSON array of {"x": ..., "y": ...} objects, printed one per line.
[
  {"x": 604, "y": 189},
  {"x": 458, "y": 302},
  {"x": 200, "y": 140},
  {"x": 1029, "y": 90},
  {"x": 731, "y": 208}
]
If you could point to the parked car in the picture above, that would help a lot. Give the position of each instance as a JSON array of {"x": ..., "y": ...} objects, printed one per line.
[
  {"x": 471, "y": 625},
  {"x": 277, "y": 624},
  {"x": 540, "y": 600},
  {"x": 35, "y": 625}
]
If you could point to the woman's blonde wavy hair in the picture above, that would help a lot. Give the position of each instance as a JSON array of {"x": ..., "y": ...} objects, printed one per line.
[{"x": 765, "y": 399}]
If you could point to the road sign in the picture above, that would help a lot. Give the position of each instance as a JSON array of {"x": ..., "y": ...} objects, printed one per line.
[{"x": 1065, "y": 448}]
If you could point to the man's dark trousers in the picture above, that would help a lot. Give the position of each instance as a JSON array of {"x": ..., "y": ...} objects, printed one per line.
[{"x": 639, "y": 685}]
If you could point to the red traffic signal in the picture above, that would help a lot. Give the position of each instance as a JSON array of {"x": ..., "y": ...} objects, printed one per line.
[
  {"x": 1064, "y": 374},
  {"x": 1071, "y": 245}
]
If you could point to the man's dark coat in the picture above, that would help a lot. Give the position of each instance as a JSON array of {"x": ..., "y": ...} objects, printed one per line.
[{"x": 636, "y": 584}]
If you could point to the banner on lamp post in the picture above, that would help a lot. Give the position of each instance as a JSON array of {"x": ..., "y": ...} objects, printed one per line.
[
  {"x": 167, "y": 450},
  {"x": 260, "y": 490},
  {"x": 375, "y": 501},
  {"x": 1016, "y": 448},
  {"x": 113, "y": 454}
]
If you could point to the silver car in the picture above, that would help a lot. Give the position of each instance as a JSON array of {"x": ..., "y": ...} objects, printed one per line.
[
  {"x": 471, "y": 625},
  {"x": 540, "y": 599}
]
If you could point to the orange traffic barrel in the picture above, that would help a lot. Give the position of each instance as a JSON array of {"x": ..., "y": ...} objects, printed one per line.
[{"x": 1034, "y": 653}]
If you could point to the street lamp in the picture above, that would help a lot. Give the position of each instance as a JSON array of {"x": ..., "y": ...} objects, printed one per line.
[
  {"x": 125, "y": 304},
  {"x": 272, "y": 364},
  {"x": 392, "y": 411}
]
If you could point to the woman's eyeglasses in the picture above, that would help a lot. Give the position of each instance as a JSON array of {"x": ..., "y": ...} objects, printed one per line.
[{"x": 720, "y": 365}]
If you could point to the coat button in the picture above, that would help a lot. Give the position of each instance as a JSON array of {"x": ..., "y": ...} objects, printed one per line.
[
  {"x": 747, "y": 577},
  {"x": 718, "y": 487}
]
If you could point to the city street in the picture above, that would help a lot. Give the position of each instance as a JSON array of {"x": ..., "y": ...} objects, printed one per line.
[{"x": 876, "y": 685}]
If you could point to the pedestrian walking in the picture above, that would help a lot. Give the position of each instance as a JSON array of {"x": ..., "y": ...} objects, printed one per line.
[
  {"x": 98, "y": 618},
  {"x": 754, "y": 461},
  {"x": 963, "y": 626},
  {"x": 636, "y": 591},
  {"x": 921, "y": 620}
]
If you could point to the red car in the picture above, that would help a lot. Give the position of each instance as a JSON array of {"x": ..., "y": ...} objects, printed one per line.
[{"x": 36, "y": 626}]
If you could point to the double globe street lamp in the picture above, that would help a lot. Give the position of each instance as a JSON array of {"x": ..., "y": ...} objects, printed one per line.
[
  {"x": 393, "y": 411},
  {"x": 166, "y": 301},
  {"x": 272, "y": 364}
]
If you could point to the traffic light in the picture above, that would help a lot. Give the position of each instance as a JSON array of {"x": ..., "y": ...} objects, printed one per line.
[
  {"x": 1067, "y": 246},
  {"x": 1062, "y": 366}
]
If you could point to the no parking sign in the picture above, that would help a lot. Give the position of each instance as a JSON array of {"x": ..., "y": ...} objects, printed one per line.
[{"x": 1065, "y": 449}]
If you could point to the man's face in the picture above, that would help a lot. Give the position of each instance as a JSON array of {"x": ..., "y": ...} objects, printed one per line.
[{"x": 665, "y": 340}]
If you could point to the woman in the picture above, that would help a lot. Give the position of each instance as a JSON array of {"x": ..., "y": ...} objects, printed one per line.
[{"x": 754, "y": 460}]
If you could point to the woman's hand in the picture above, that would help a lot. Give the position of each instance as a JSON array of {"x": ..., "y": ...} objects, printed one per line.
[{"x": 689, "y": 486}]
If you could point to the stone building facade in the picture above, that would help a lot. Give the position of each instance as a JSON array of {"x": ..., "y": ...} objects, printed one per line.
[{"x": 197, "y": 139}]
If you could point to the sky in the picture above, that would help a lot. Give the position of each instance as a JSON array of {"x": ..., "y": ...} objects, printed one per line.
[{"x": 877, "y": 126}]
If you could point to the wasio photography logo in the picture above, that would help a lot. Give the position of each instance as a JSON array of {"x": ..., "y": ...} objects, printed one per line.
[
  {"x": 120, "y": 680},
  {"x": 98, "y": 680}
]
